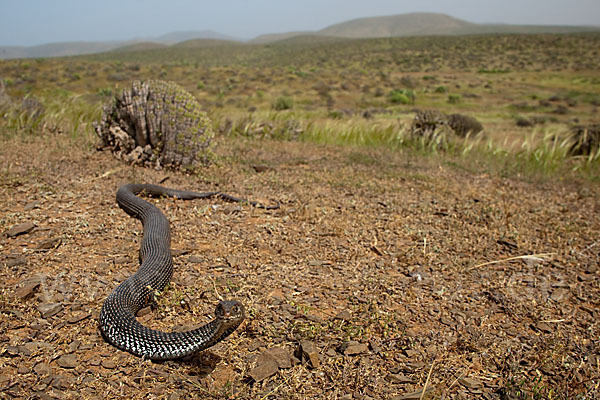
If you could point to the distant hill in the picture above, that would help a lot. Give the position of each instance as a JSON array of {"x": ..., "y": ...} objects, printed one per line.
[
  {"x": 204, "y": 43},
  {"x": 274, "y": 37},
  {"x": 418, "y": 24},
  {"x": 413, "y": 24},
  {"x": 177, "y": 37},
  {"x": 57, "y": 49},
  {"x": 79, "y": 48}
]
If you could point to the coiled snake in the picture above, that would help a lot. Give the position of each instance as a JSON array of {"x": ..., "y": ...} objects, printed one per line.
[{"x": 117, "y": 318}]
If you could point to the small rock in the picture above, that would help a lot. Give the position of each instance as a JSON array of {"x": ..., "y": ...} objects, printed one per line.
[
  {"x": 471, "y": 383},
  {"x": 308, "y": 352},
  {"x": 353, "y": 348},
  {"x": 47, "y": 310},
  {"x": 195, "y": 259},
  {"x": 13, "y": 351},
  {"x": 78, "y": 316},
  {"x": 232, "y": 209},
  {"x": 27, "y": 290},
  {"x": 374, "y": 346},
  {"x": 33, "y": 205},
  {"x": 109, "y": 364},
  {"x": 261, "y": 168},
  {"x": 558, "y": 294},
  {"x": 235, "y": 262},
  {"x": 256, "y": 345},
  {"x": 20, "y": 229},
  {"x": 49, "y": 244},
  {"x": 281, "y": 356},
  {"x": 14, "y": 260},
  {"x": 61, "y": 382},
  {"x": 144, "y": 311},
  {"x": 343, "y": 315},
  {"x": 74, "y": 345},
  {"x": 312, "y": 318},
  {"x": 43, "y": 369},
  {"x": 542, "y": 327},
  {"x": 265, "y": 367},
  {"x": 67, "y": 361},
  {"x": 120, "y": 260}
]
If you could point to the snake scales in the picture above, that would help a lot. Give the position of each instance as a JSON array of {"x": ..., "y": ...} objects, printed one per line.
[{"x": 117, "y": 318}]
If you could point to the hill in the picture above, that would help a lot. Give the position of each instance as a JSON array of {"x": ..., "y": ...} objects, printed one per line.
[
  {"x": 402, "y": 25},
  {"x": 418, "y": 24},
  {"x": 413, "y": 24}
]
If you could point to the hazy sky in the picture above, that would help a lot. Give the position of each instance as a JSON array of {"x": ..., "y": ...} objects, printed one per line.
[{"x": 31, "y": 22}]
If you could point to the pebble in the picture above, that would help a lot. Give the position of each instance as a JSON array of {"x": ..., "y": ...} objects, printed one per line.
[
  {"x": 308, "y": 352},
  {"x": 43, "y": 369},
  {"x": 266, "y": 366},
  {"x": 67, "y": 361},
  {"x": 353, "y": 348},
  {"x": 281, "y": 356},
  {"x": 109, "y": 364},
  {"x": 195, "y": 259},
  {"x": 78, "y": 316},
  {"x": 14, "y": 260},
  {"x": 343, "y": 315},
  {"x": 49, "y": 244},
  {"x": 471, "y": 383},
  {"x": 47, "y": 310},
  {"x": 20, "y": 229},
  {"x": 27, "y": 290}
]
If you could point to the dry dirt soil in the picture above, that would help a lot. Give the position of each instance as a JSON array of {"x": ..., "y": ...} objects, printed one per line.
[{"x": 381, "y": 275}]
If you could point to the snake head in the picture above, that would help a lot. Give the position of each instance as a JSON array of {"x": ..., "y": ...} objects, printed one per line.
[{"x": 230, "y": 313}]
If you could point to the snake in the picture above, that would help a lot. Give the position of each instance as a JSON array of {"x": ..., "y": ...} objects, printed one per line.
[{"x": 117, "y": 321}]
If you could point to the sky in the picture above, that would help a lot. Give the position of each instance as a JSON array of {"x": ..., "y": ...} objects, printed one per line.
[{"x": 33, "y": 22}]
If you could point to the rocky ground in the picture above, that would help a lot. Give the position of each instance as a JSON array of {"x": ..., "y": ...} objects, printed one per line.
[{"x": 381, "y": 276}]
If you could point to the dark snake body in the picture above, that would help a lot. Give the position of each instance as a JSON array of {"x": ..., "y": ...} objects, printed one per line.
[{"x": 117, "y": 318}]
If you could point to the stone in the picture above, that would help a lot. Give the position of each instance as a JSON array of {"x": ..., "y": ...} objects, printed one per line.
[
  {"x": 14, "y": 260},
  {"x": 33, "y": 205},
  {"x": 281, "y": 356},
  {"x": 68, "y": 361},
  {"x": 49, "y": 244},
  {"x": 42, "y": 369},
  {"x": 27, "y": 290},
  {"x": 195, "y": 259},
  {"x": 109, "y": 364},
  {"x": 353, "y": 348},
  {"x": 542, "y": 327},
  {"x": 266, "y": 367},
  {"x": 78, "y": 317},
  {"x": 20, "y": 229},
  {"x": 308, "y": 352},
  {"x": 471, "y": 383},
  {"x": 48, "y": 310},
  {"x": 261, "y": 168},
  {"x": 558, "y": 294},
  {"x": 343, "y": 315}
]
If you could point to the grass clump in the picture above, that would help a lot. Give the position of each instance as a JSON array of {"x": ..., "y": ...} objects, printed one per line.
[
  {"x": 283, "y": 103},
  {"x": 402, "y": 96}
]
